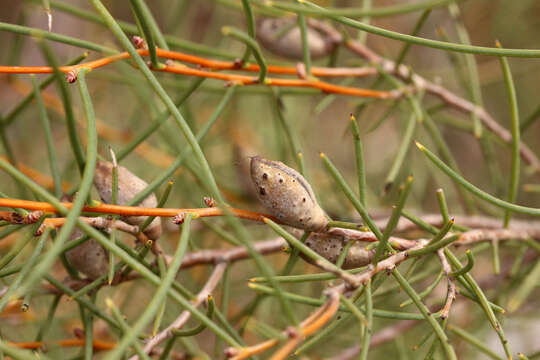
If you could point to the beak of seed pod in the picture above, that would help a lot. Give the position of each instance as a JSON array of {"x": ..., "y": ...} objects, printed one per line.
[
  {"x": 129, "y": 185},
  {"x": 286, "y": 195}
]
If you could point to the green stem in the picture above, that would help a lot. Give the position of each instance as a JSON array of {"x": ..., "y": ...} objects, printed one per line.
[
  {"x": 65, "y": 95},
  {"x": 471, "y": 339},
  {"x": 159, "y": 296},
  {"x": 250, "y": 19},
  {"x": 392, "y": 222},
  {"x": 82, "y": 195},
  {"x": 141, "y": 15},
  {"x": 305, "y": 43},
  {"x": 369, "y": 322},
  {"x": 513, "y": 185},
  {"x": 474, "y": 190},
  {"x": 441, "y": 45},
  {"x": 45, "y": 123},
  {"x": 448, "y": 349},
  {"x": 360, "y": 166},
  {"x": 351, "y": 196},
  {"x": 253, "y": 45},
  {"x": 465, "y": 269}
]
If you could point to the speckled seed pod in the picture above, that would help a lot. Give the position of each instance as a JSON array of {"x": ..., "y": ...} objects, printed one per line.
[
  {"x": 282, "y": 37},
  {"x": 286, "y": 195},
  {"x": 129, "y": 185},
  {"x": 89, "y": 258},
  {"x": 330, "y": 247}
]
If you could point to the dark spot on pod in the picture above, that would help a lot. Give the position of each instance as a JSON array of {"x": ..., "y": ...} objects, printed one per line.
[
  {"x": 262, "y": 191},
  {"x": 281, "y": 181},
  {"x": 265, "y": 176},
  {"x": 303, "y": 199}
]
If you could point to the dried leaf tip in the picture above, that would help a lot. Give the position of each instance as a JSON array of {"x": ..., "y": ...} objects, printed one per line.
[
  {"x": 419, "y": 146},
  {"x": 286, "y": 194}
]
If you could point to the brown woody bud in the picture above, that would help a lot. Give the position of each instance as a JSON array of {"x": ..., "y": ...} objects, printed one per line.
[
  {"x": 129, "y": 185},
  {"x": 287, "y": 195},
  {"x": 90, "y": 258},
  {"x": 282, "y": 36}
]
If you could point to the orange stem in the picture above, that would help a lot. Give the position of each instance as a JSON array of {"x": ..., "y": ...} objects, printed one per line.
[
  {"x": 246, "y": 352},
  {"x": 225, "y": 65},
  {"x": 135, "y": 210},
  {"x": 311, "y": 325},
  {"x": 98, "y": 344}
]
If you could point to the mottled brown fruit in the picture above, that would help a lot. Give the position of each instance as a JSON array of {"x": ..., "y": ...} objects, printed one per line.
[
  {"x": 330, "y": 246},
  {"x": 282, "y": 37},
  {"x": 129, "y": 185},
  {"x": 89, "y": 258},
  {"x": 287, "y": 195}
]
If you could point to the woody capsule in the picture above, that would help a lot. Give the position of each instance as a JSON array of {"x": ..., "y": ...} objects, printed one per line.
[
  {"x": 286, "y": 195},
  {"x": 282, "y": 36},
  {"x": 129, "y": 185}
]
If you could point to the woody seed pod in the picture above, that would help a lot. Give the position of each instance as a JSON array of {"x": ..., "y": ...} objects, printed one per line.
[
  {"x": 129, "y": 185},
  {"x": 282, "y": 37},
  {"x": 330, "y": 247},
  {"x": 90, "y": 258},
  {"x": 287, "y": 195}
]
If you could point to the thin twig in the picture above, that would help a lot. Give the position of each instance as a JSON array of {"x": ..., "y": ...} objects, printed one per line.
[
  {"x": 451, "y": 99},
  {"x": 182, "y": 319},
  {"x": 451, "y": 292},
  {"x": 388, "y": 333}
]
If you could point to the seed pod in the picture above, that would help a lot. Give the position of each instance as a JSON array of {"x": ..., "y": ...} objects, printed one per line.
[
  {"x": 282, "y": 37},
  {"x": 90, "y": 258},
  {"x": 129, "y": 185},
  {"x": 287, "y": 195},
  {"x": 330, "y": 247}
]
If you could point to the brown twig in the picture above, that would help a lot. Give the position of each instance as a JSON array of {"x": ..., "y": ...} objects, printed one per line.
[
  {"x": 182, "y": 319},
  {"x": 451, "y": 99},
  {"x": 473, "y": 222},
  {"x": 16, "y": 218},
  {"x": 477, "y": 235},
  {"x": 215, "y": 256},
  {"x": 451, "y": 291}
]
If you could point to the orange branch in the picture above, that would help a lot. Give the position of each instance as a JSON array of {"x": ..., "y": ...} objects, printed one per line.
[
  {"x": 135, "y": 210},
  {"x": 225, "y": 65},
  {"x": 98, "y": 344},
  {"x": 311, "y": 324}
]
